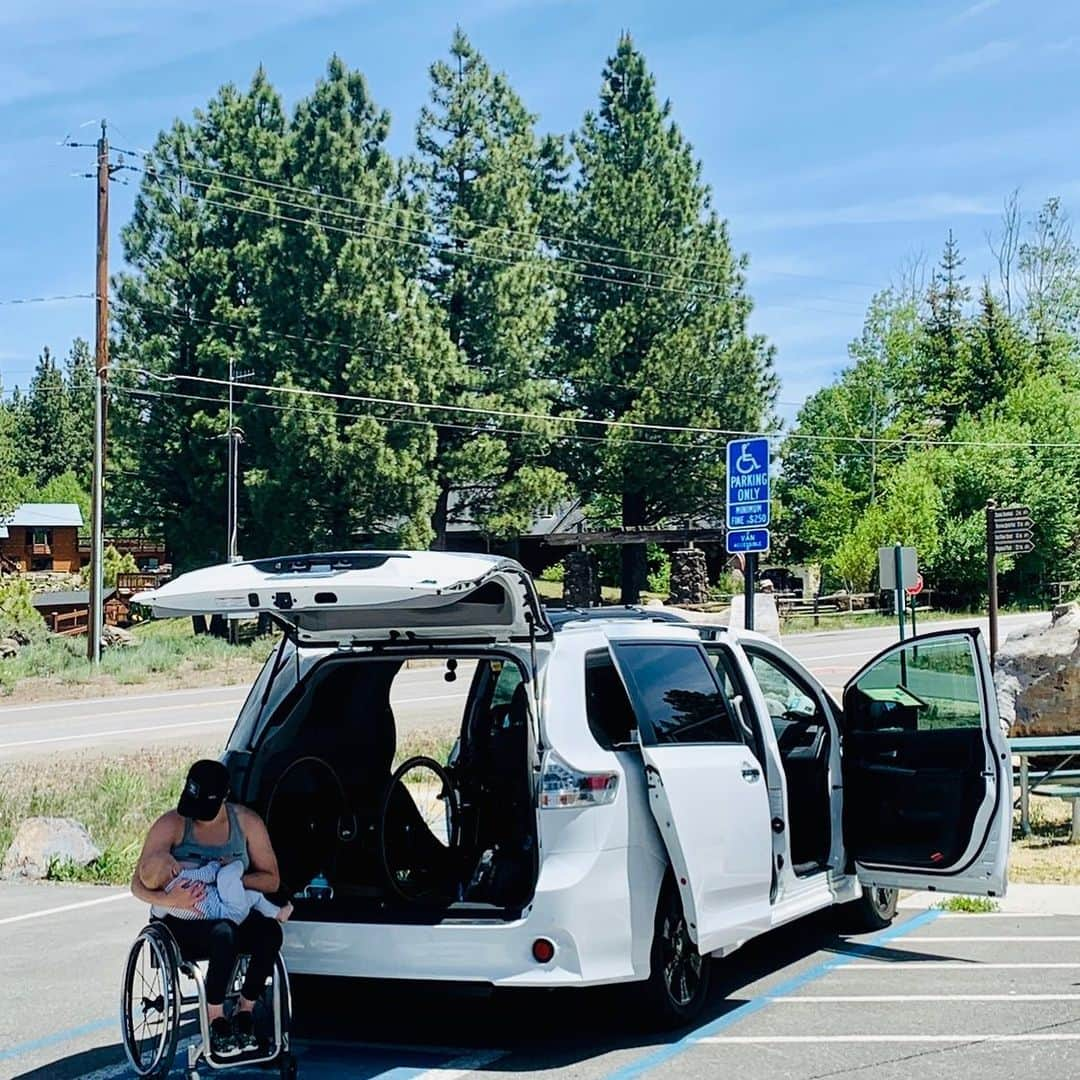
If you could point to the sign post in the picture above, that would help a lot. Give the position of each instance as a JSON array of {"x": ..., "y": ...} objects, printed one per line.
[
  {"x": 898, "y": 570},
  {"x": 1009, "y": 531},
  {"x": 748, "y": 508}
]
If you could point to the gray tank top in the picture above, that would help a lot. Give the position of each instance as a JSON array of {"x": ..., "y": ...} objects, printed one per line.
[{"x": 235, "y": 847}]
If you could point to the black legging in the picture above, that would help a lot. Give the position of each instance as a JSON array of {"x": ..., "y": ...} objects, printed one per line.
[{"x": 221, "y": 942}]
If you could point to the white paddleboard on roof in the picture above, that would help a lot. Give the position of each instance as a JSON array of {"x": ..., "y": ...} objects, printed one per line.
[{"x": 366, "y": 595}]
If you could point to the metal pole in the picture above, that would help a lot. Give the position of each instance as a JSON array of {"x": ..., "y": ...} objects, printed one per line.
[
  {"x": 898, "y": 563},
  {"x": 991, "y": 578},
  {"x": 230, "y": 518},
  {"x": 914, "y": 631},
  {"x": 751, "y": 566},
  {"x": 101, "y": 365}
]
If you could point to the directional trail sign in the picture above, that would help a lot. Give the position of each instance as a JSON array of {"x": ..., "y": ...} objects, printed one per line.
[{"x": 1012, "y": 530}]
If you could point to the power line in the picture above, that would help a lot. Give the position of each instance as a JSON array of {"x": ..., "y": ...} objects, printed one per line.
[
  {"x": 520, "y": 432},
  {"x": 914, "y": 439},
  {"x": 447, "y": 244},
  {"x": 48, "y": 299},
  {"x": 556, "y": 240},
  {"x": 362, "y": 346}
]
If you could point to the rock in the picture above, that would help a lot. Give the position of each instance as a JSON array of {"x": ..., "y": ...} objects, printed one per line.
[
  {"x": 9, "y": 648},
  {"x": 1037, "y": 676},
  {"x": 114, "y": 637},
  {"x": 41, "y": 841},
  {"x": 766, "y": 615},
  {"x": 689, "y": 577},
  {"x": 20, "y": 637}
]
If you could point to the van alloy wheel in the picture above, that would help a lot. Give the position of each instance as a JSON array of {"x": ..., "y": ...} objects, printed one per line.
[{"x": 682, "y": 961}]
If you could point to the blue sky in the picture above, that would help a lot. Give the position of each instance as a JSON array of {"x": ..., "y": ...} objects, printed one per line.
[{"x": 841, "y": 139}]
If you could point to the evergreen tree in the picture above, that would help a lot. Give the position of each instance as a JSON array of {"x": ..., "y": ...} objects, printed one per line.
[
  {"x": 489, "y": 181},
  {"x": 54, "y": 419},
  {"x": 273, "y": 242},
  {"x": 654, "y": 330},
  {"x": 943, "y": 364}
]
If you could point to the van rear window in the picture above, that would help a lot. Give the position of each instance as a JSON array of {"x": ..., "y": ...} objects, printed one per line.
[{"x": 608, "y": 709}]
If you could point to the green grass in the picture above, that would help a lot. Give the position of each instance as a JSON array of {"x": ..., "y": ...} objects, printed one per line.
[
  {"x": 969, "y": 905},
  {"x": 162, "y": 647},
  {"x": 116, "y": 798}
]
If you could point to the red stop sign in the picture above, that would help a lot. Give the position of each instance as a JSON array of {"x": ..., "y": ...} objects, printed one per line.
[{"x": 914, "y": 590}]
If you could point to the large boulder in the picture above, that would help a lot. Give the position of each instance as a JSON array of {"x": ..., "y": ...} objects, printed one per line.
[
  {"x": 1037, "y": 676},
  {"x": 41, "y": 841}
]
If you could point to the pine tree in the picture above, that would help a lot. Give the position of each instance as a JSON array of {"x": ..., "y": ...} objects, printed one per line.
[
  {"x": 943, "y": 362},
  {"x": 655, "y": 327},
  {"x": 488, "y": 179}
]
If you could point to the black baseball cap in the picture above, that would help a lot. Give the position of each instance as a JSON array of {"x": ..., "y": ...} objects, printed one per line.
[{"x": 205, "y": 789}]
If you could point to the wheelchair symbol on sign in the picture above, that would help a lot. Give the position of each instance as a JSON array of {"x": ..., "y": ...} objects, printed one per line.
[{"x": 746, "y": 462}]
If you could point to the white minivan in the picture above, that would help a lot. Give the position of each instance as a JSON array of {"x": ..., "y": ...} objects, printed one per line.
[{"x": 624, "y": 796}]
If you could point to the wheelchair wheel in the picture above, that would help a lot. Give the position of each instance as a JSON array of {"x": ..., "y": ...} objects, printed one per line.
[
  {"x": 419, "y": 830},
  {"x": 150, "y": 1004}
]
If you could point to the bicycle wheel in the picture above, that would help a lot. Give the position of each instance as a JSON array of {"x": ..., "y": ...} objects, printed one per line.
[
  {"x": 419, "y": 831},
  {"x": 150, "y": 1004}
]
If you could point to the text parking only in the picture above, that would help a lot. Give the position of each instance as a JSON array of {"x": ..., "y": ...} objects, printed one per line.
[{"x": 747, "y": 495}]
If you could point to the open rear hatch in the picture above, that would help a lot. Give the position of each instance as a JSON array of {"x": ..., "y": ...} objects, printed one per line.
[{"x": 366, "y": 596}]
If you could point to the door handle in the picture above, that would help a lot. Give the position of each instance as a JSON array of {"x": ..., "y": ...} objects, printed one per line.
[{"x": 750, "y": 773}]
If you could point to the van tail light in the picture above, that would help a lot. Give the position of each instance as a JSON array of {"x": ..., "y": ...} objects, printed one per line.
[{"x": 562, "y": 787}]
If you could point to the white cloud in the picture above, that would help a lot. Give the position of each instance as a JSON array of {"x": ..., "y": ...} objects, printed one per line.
[
  {"x": 976, "y": 9},
  {"x": 972, "y": 59},
  {"x": 931, "y": 207}
]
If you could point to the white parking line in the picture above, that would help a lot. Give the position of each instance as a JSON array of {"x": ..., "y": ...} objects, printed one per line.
[
  {"x": 975, "y": 915},
  {"x": 1019, "y": 938},
  {"x": 66, "y": 907},
  {"x": 953, "y": 965},
  {"x": 462, "y": 1066},
  {"x": 836, "y": 999},
  {"x": 1038, "y": 1036}
]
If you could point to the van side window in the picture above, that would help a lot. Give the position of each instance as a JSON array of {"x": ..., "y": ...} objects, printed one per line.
[
  {"x": 607, "y": 708},
  {"x": 677, "y": 692}
]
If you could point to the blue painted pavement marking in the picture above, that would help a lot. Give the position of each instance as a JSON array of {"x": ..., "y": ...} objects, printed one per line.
[
  {"x": 45, "y": 1041},
  {"x": 858, "y": 950}
]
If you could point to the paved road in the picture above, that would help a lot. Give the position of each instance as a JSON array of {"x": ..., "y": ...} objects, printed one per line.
[
  {"x": 994, "y": 996},
  {"x": 422, "y": 699}
]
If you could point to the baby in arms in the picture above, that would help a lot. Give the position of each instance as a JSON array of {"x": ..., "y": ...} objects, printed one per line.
[{"x": 225, "y": 896}]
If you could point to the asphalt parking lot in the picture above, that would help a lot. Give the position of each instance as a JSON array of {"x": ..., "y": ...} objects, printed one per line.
[{"x": 938, "y": 995}]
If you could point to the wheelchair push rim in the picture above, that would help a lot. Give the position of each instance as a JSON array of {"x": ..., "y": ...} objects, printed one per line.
[{"x": 149, "y": 1006}]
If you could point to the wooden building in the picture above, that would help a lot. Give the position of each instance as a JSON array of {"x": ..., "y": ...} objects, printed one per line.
[{"x": 41, "y": 536}]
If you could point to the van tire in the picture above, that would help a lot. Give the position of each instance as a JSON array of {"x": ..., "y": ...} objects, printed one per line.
[
  {"x": 874, "y": 910},
  {"x": 678, "y": 983}
]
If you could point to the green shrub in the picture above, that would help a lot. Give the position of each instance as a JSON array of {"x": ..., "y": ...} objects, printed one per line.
[
  {"x": 969, "y": 905},
  {"x": 557, "y": 573}
]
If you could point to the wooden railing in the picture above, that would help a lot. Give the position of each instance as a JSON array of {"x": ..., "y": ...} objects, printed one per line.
[
  {"x": 130, "y": 583},
  {"x": 70, "y": 623}
]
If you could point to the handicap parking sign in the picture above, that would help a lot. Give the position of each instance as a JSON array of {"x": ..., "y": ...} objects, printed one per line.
[{"x": 748, "y": 483}]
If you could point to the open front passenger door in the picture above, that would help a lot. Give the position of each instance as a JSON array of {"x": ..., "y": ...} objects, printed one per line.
[{"x": 927, "y": 773}]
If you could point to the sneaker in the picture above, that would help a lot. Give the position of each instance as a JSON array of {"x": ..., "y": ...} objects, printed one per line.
[
  {"x": 222, "y": 1043},
  {"x": 243, "y": 1032}
]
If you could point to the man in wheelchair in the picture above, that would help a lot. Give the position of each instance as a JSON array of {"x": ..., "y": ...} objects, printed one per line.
[{"x": 204, "y": 829}]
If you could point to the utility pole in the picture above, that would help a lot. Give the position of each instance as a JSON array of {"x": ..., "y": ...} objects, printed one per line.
[{"x": 101, "y": 374}]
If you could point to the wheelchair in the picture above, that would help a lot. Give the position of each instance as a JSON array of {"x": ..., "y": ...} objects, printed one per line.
[{"x": 155, "y": 1003}]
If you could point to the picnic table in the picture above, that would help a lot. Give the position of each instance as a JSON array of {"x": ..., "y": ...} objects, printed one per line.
[{"x": 1064, "y": 747}]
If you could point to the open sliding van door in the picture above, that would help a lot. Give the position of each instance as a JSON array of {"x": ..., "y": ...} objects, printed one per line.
[
  {"x": 926, "y": 767},
  {"x": 707, "y": 791}
]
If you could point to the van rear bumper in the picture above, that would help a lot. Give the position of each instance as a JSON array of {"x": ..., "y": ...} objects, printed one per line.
[{"x": 582, "y": 905}]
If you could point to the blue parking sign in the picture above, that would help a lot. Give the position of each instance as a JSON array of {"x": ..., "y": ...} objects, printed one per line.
[
  {"x": 747, "y": 541},
  {"x": 748, "y": 483}
]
